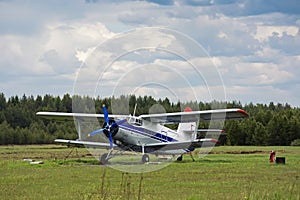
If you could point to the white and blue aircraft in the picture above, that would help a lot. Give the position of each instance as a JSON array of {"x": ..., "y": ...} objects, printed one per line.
[{"x": 147, "y": 134}]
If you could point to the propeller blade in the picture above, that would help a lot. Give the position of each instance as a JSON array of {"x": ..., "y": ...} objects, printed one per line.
[
  {"x": 105, "y": 114},
  {"x": 95, "y": 132},
  {"x": 120, "y": 122}
]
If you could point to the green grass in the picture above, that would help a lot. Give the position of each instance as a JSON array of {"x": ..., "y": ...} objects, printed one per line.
[{"x": 227, "y": 173}]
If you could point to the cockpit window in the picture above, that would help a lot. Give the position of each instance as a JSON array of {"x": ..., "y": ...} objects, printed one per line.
[{"x": 135, "y": 121}]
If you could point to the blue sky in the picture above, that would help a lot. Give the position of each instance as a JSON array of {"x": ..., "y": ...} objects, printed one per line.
[{"x": 254, "y": 46}]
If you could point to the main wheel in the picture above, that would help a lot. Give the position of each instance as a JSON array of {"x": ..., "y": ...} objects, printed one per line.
[{"x": 145, "y": 158}]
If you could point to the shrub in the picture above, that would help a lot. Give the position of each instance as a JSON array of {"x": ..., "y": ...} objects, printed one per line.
[{"x": 295, "y": 142}]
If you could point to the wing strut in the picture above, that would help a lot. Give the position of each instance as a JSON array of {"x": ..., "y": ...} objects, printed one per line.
[{"x": 79, "y": 129}]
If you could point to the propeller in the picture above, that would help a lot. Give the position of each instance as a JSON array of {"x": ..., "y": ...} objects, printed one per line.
[
  {"x": 107, "y": 126},
  {"x": 110, "y": 128}
]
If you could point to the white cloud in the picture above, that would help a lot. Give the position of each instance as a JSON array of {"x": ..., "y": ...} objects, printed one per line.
[
  {"x": 20, "y": 56},
  {"x": 52, "y": 53},
  {"x": 256, "y": 52},
  {"x": 222, "y": 35},
  {"x": 263, "y": 94},
  {"x": 262, "y": 73},
  {"x": 263, "y": 33},
  {"x": 83, "y": 55},
  {"x": 69, "y": 39}
]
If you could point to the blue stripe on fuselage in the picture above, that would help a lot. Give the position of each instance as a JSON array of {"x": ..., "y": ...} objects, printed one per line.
[
  {"x": 146, "y": 132},
  {"x": 164, "y": 137}
]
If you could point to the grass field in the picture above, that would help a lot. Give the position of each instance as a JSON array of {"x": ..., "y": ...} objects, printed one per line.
[{"x": 226, "y": 173}]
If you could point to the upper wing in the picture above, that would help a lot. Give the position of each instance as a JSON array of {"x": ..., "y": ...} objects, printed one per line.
[
  {"x": 220, "y": 131},
  {"x": 61, "y": 116},
  {"x": 193, "y": 116}
]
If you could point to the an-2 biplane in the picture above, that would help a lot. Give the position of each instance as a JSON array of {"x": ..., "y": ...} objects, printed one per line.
[{"x": 147, "y": 133}]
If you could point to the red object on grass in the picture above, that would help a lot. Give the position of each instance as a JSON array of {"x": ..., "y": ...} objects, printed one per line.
[{"x": 272, "y": 156}]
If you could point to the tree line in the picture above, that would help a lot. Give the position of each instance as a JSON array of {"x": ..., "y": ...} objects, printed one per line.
[{"x": 272, "y": 124}]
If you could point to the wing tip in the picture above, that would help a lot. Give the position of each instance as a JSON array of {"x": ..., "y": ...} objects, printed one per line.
[
  {"x": 244, "y": 113},
  {"x": 187, "y": 109}
]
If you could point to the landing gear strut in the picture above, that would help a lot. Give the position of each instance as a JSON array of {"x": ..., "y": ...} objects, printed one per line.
[{"x": 192, "y": 156}]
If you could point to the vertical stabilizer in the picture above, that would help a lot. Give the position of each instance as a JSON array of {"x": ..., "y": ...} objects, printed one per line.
[{"x": 188, "y": 130}]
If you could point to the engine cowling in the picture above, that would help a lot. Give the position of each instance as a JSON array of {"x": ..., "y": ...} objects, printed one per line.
[{"x": 112, "y": 127}]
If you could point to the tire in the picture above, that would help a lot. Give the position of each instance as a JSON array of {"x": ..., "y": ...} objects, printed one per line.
[
  {"x": 145, "y": 158},
  {"x": 179, "y": 158}
]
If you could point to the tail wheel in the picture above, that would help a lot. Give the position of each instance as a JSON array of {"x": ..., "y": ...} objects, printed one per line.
[
  {"x": 179, "y": 158},
  {"x": 145, "y": 158}
]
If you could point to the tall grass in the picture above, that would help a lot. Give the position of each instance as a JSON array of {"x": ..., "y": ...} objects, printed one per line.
[{"x": 226, "y": 174}]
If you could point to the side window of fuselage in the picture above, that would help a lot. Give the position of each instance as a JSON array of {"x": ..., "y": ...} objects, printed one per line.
[{"x": 138, "y": 122}]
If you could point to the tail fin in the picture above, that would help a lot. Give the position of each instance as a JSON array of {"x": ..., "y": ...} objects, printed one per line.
[{"x": 188, "y": 128}]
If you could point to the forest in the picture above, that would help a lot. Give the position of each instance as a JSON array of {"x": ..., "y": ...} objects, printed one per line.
[{"x": 268, "y": 124}]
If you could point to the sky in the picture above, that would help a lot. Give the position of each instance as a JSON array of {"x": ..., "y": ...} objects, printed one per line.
[{"x": 186, "y": 50}]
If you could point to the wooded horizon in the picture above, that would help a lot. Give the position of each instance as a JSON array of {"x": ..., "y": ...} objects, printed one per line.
[{"x": 272, "y": 124}]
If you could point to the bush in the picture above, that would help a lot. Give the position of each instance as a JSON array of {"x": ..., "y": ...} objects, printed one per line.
[{"x": 295, "y": 142}]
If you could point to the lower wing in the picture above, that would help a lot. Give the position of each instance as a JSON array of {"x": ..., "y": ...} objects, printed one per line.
[
  {"x": 99, "y": 145},
  {"x": 164, "y": 146},
  {"x": 205, "y": 142}
]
